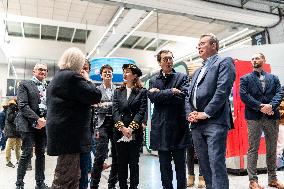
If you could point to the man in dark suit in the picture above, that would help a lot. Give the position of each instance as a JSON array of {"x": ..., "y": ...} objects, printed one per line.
[
  {"x": 31, "y": 123},
  {"x": 261, "y": 93},
  {"x": 105, "y": 131},
  {"x": 209, "y": 111},
  {"x": 169, "y": 127}
]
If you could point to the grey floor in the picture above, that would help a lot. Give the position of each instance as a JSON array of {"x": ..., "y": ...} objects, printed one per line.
[{"x": 149, "y": 175}]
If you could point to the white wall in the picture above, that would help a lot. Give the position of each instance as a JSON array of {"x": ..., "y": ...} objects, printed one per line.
[
  {"x": 273, "y": 53},
  {"x": 3, "y": 79},
  {"x": 144, "y": 59},
  {"x": 34, "y": 48}
]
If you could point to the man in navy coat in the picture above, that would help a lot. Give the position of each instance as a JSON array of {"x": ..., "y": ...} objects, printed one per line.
[
  {"x": 169, "y": 127},
  {"x": 209, "y": 111},
  {"x": 261, "y": 93}
]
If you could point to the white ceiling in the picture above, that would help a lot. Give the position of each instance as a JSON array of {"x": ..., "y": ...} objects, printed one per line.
[
  {"x": 75, "y": 11},
  {"x": 175, "y": 18}
]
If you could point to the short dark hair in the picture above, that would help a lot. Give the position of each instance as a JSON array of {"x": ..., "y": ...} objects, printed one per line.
[
  {"x": 161, "y": 52},
  {"x": 213, "y": 39},
  {"x": 88, "y": 62},
  {"x": 105, "y": 66},
  {"x": 261, "y": 55}
]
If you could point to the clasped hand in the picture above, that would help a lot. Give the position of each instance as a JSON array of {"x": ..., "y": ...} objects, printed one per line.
[
  {"x": 126, "y": 132},
  {"x": 266, "y": 109},
  {"x": 40, "y": 123},
  {"x": 195, "y": 116}
]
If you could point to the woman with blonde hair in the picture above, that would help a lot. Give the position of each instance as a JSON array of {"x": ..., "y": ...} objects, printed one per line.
[
  {"x": 129, "y": 109},
  {"x": 69, "y": 97}
]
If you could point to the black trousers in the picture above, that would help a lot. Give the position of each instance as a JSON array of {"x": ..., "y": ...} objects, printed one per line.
[
  {"x": 105, "y": 134},
  {"x": 190, "y": 159},
  {"x": 128, "y": 155},
  {"x": 165, "y": 158},
  {"x": 36, "y": 139}
]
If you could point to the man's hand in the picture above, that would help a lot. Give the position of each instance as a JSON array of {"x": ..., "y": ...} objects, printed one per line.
[
  {"x": 266, "y": 109},
  {"x": 192, "y": 116},
  {"x": 97, "y": 134},
  {"x": 154, "y": 90},
  {"x": 85, "y": 75},
  {"x": 175, "y": 90},
  {"x": 40, "y": 123},
  {"x": 201, "y": 115}
]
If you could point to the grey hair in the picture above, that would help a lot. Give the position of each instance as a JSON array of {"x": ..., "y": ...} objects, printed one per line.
[
  {"x": 213, "y": 39},
  {"x": 73, "y": 59},
  {"x": 38, "y": 65}
]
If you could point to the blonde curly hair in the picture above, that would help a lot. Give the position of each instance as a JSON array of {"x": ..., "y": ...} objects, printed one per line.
[{"x": 73, "y": 59}]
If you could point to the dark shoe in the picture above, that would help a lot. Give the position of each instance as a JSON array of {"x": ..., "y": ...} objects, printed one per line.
[
  {"x": 276, "y": 184},
  {"x": 10, "y": 164},
  {"x": 29, "y": 168},
  {"x": 254, "y": 185},
  {"x": 42, "y": 186},
  {"x": 20, "y": 185}
]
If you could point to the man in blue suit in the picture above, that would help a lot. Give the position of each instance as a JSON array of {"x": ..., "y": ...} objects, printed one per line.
[
  {"x": 209, "y": 111},
  {"x": 261, "y": 93}
]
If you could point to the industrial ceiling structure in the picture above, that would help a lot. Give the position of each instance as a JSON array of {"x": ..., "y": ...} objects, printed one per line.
[{"x": 146, "y": 25}]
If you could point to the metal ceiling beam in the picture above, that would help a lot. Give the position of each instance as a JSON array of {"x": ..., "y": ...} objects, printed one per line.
[
  {"x": 72, "y": 38},
  {"x": 57, "y": 31},
  {"x": 243, "y": 2},
  {"x": 132, "y": 30},
  {"x": 23, "y": 30},
  {"x": 137, "y": 42},
  {"x": 111, "y": 24},
  {"x": 34, "y": 20},
  {"x": 40, "y": 31},
  {"x": 150, "y": 43},
  {"x": 195, "y": 9}
]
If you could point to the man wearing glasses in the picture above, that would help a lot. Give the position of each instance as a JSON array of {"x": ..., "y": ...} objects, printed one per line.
[
  {"x": 31, "y": 121},
  {"x": 209, "y": 111},
  {"x": 169, "y": 131}
]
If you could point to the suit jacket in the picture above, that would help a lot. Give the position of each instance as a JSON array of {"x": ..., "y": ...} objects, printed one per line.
[
  {"x": 69, "y": 97},
  {"x": 28, "y": 100},
  {"x": 169, "y": 126},
  {"x": 252, "y": 95},
  {"x": 133, "y": 109},
  {"x": 103, "y": 111},
  {"x": 213, "y": 91}
]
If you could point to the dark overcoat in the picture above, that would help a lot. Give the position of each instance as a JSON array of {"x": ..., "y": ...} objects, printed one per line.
[
  {"x": 69, "y": 97},
  {"x": 169, "y": 126}
]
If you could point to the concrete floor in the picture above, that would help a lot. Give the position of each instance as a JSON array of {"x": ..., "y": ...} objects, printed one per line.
[{"x": 149, "y": 175}]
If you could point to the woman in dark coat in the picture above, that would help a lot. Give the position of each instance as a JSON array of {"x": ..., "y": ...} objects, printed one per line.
[
  {"x": 129, "y": 108},
  {"x": 69, "y": 97}
]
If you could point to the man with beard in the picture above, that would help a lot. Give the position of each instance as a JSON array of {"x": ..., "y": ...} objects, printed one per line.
[{"x": 261, "y": 93}]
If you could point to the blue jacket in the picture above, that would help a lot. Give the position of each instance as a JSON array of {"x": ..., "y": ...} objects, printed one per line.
[
  {"x": 213, "y": 91},
  {"x": 252, "y": 95},
  {"x": 169, "y": 126}
]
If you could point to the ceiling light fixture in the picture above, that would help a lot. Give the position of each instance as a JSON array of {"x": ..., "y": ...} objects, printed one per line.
[
  {"x": 115, "y": 18},
  {"x": 129, "y": 34}
]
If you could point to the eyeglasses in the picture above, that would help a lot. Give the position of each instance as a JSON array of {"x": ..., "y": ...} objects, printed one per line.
[
  {"x": 167, "y": 59},
  {"x": 42, "y": 70}
]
